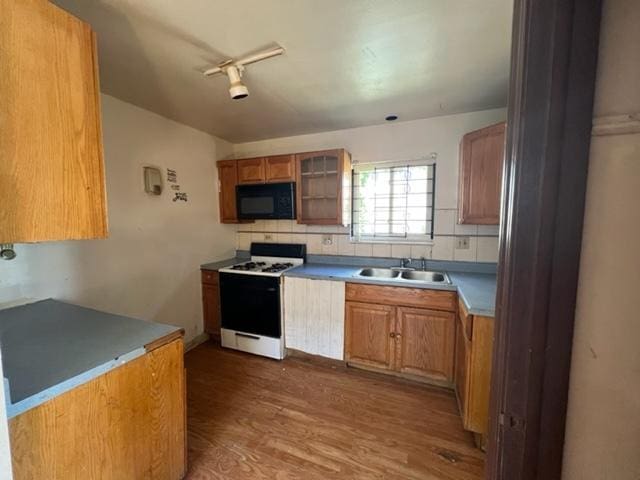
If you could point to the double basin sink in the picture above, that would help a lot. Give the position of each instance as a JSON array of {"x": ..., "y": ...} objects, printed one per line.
[{"x": 405, "y": 275}]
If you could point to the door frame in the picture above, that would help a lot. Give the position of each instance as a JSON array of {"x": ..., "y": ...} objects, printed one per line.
[{"x": 553, "y": 70}]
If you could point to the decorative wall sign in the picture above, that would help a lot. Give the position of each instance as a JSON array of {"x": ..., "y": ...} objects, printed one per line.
[
  {"x": 182, "y": 196},
  {"x": 175, "y": 187},
  {"x": 172, "y": 176}
]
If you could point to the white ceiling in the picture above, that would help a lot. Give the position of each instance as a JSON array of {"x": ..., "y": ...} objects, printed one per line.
[{"x": 348, "y": 63}]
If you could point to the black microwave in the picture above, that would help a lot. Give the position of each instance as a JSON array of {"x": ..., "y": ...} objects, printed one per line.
[{"x": 266, "y": 201}]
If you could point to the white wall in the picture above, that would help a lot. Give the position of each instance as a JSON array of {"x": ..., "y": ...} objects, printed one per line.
[
  {"x": 603, "y": 419},
  {"x": 149, "y": 266},
  {"x": 397, "y": 141}
]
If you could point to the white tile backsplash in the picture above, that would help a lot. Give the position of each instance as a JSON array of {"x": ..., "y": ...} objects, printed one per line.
[
  {"x": 400, "y": 250},
  {"x": 381, "y": 250},
  {"x": 487, "y": 249},
  {"x": 345, "y": 247},
  {"x": 442, "y": 248},
  {"x": 465, "y": 229},
  {"x": 481, "y": 248},
  {"x": 444, "y": 221},
  {"x": 466, "y": 255},
  {"x": 364, "y": 250}
]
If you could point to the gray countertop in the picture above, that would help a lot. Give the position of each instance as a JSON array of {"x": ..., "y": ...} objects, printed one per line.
[
  {"x": 222, "y": 263},
  {"x": 50, "y": 347},
  {"x": 477, "y": 290}
]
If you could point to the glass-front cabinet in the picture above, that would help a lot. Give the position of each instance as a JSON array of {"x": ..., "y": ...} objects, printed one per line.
[{"x": 323, "y": 187}]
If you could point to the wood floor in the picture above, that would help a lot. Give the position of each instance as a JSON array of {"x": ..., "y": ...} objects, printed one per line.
[{"x": 254, "y": 418}]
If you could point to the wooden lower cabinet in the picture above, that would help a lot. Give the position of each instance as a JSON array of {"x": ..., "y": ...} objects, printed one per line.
[
  {"x": 127, "y": 423},
  {"x": 474, "y": 349},
  {"x": 211, "y": 302},
  {"x": 425, "y": 340},
  {"x": 369, "y": 337},
  {"x": 405, "y": 340}
]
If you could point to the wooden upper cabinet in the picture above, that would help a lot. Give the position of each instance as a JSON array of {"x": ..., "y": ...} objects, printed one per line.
[
  {"x": 481, "y": 159},
  {"x": 323, "y": 187},
  {"x": 369, "y": 337},
  {"x": 227, "y": 181},
  {"x": 251, "y": 170},
  {"x": 426, "y": 341},
  {"x": 280, "y": 169},
  {"x": 52, "y": 184}
]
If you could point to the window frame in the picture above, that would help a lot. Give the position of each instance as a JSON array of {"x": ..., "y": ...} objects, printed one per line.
[{"x": 428, "y": 238}]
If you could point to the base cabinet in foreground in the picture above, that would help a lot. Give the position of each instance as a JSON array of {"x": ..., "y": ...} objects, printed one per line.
[
  {"x": 126, "y": 424},
  {"x": 474, "y": 349},
  {"x": 415, "y": 339}
]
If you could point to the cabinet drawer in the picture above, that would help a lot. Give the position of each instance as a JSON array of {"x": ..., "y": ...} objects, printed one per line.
[
  {"x": 405, "y": 296},
  {"x": 210, "y": 277}
]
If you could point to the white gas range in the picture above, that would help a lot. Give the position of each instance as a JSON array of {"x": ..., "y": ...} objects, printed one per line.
[{"x": 251, "y": 298}]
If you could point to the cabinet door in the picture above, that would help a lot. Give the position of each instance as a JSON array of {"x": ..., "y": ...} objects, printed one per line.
[
  {"x": 463, "y": 356},
  {"x": 211, "y": 309},
  {"x": 425, "y": 340},
  {"x": 481, "y": 159},
  {"x": 52, "y": 184},
  {"x": 368, "y": 335},
  {"x": 281, "y": 168},
  {"x": 227, "y": 181},
  {"x": 251, "y": 170},
  {"x": 322, "y": 180}
]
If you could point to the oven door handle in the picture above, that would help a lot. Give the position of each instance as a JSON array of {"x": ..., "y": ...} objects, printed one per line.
[{"x": 253, "y": 337}]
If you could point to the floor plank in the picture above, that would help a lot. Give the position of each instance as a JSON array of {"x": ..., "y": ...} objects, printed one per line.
[{"x": 254, "y": 418}]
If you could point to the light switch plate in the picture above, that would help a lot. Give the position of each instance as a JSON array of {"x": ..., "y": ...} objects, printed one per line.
[{"x": 462, "y": 243}]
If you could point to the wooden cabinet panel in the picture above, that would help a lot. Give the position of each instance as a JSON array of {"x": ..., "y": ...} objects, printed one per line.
[
  {"x": 480, "y": 375},
  {"x": 127, "y": 423},
  {"x": 211, "y": 303},
  {"x": 481, "y": 159},
  {"x": 251, "y": 170},
  {"x": 281, "y": 168},
  {"x": 368, "y": 330},
  {"x": 52, "y": 184},
  {"x": 227, "y": 181},
  {"x": 411, "y": 297},
  {"x": 425, "y": 343},
  {"x": 474, "y": 350},
  {"x": 463, "y": 357},
  {"x": 323, "y": 182}
]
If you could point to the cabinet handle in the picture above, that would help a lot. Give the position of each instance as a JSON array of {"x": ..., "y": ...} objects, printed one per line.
[{"x": 392, "y": 334}]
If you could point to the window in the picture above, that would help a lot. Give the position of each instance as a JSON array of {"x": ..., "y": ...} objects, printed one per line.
[{"x": 393, "y": 203}]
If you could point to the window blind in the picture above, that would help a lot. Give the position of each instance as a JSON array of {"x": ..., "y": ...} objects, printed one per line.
[{"x": 393, "y": 202}]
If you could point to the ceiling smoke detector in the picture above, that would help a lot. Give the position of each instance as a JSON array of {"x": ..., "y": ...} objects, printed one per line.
[{"x": 234, "y": 70}]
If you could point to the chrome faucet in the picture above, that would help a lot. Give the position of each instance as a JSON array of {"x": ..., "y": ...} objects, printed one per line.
[
  {"x": 423, "y": 261},
  {"x": 405, "y": 262}
]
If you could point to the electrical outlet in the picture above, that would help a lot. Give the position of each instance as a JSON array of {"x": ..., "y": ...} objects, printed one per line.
[
  {"x": 327, "y": 239},
  {"x": 268, "y": 237},
  {"x": 462, "y": 243}
]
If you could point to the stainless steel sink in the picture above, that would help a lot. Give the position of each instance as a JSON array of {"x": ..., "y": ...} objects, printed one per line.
[
  {"x": 431, "y": 277},
  {"x": 379, "y": 273},
  {"x": 404, "y": 275}
]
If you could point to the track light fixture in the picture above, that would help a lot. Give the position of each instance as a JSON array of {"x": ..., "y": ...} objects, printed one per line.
[{"x": 234, "y": 70}]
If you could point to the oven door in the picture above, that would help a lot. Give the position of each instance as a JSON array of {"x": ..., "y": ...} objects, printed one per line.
[
  {"x": 250, "y": 304},
  {"x": 267, "y": 201}
]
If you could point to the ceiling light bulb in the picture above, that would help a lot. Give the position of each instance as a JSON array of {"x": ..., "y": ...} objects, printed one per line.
[{"x": 237, "y": 89}]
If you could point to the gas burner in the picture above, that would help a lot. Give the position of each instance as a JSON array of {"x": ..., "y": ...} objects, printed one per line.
[{"x": 277, "y": 267}]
